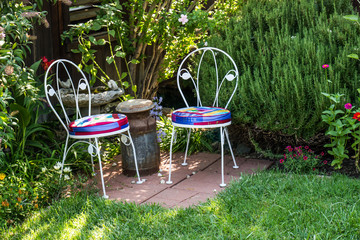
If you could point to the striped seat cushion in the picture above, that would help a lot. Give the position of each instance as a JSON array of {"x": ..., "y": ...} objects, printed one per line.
[
  {"x": 201, "y": 116},
  {"x": 98, "y": 124}
]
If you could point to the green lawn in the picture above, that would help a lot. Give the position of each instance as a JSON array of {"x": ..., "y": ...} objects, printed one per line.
[{"x": 268, "y": 205}]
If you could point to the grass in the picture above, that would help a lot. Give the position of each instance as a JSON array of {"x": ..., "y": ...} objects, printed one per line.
[{"x": 268, "y": 205}]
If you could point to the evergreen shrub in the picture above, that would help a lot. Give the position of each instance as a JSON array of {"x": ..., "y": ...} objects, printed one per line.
[{"x": 280, "y": 47}]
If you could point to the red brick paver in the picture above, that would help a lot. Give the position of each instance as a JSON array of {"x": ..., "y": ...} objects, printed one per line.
[{"x": 192, "y": 184}]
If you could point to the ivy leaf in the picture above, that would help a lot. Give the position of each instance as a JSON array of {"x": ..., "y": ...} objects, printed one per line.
[
  {"x": 125, "y": 84},
  {"x": 75, "y": 51},
  {"x": 96, "y": 27},
  {"x": 110, "y": 60},
  {"x": 123, "y": 75},
  {"x": 134, "y": 88},
  {"x": 120, "y": 54},
  {"x": 134, "y": 61},
  {"x": 92, "y": 39},
  {"x": 101, "y": 42},
  {"x": 112, "y": 33}
]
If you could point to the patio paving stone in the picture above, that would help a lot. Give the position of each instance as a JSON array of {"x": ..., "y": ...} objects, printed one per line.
[{"x": 192, "y": 184}]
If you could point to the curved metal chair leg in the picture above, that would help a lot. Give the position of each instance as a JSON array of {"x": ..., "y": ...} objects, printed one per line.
[
  {"x": 231, "y": 151},
  {"x": 187, "y": 147},
  {"x": 64, "y": 156},
  {"x": 100, "y": 165},
  {"x": 171, "y": 144},
  {"x": 92, "y": 160},
  {"x": 222, "y": 184},
  {"x": 139, "y": 181}
]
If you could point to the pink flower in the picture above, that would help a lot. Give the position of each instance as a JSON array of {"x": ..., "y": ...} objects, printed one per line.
[
  {"x": 322, "y": 153},
  {"x": 305, "y": 158},
  {"x": 325, "y": 162},
  {"x": 183, "y": 19},
  {"x": 281, "y": 160},
  {"x": 306, "y": 147},
  {"x": 348, "y": 106},
  {"x": 325, "y": 66},
  {"x": 284, "y": 156},
  {"x": 314, "y": 169}
]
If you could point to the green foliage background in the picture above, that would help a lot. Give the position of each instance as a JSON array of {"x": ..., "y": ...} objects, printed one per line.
[{"x": 280, "y": 47}]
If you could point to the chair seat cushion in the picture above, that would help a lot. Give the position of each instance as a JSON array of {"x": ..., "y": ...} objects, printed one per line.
[
  {"x": 201, "y": 116},
  {"x": 98, "y": 124}
]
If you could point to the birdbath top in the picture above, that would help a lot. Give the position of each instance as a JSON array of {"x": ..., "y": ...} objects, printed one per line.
[{"x": 135, "y": 106}]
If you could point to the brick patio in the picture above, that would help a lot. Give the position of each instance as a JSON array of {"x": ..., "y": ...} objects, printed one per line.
[{"x": 194, "y": 183}]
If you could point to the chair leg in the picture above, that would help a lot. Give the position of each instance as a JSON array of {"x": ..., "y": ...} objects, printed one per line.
[
  {"x": 222, "y": 184},
  {"x": 100, "y": 166},
  {"x": 187, "y": 147},
  {"x": 231, "y": 151},
  {"x": 139, "y": 181},
  {"x": 171, "y": 144},
  {"x": 92, "y": 161},
  {"x": 64, "y": 156}
]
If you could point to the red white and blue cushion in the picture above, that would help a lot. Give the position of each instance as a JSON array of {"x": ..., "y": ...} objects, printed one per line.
[
  {"x": 98, "y": 124},
  {"x": 201, "y": 116}
]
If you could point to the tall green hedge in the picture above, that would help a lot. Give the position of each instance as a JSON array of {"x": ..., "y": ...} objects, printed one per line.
[{"x": 280, "y": 47}]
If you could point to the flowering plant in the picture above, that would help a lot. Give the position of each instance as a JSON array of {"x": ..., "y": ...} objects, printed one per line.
[
  {"x": 301, "y": 160},
  {"x": 19, "y": 197},
  {"x": 343, "y": 126}
]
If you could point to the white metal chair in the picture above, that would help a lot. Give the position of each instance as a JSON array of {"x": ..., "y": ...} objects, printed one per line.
[
  {"x": 83, "y": 129},
  {"x": 205, "y": 117}
]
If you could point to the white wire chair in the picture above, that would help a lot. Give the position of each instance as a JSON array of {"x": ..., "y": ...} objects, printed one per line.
[
  {"x": 205, "y": 117},
  {"x": 83, "y": 129}
]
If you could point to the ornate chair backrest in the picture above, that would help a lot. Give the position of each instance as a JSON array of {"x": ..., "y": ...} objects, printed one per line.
[
  {"x": 59, "y": 73},
  {"x": 230, "y": 74}
]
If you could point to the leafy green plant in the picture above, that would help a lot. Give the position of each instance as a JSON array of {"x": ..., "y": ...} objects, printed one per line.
[
  {"x": 343, "y": 130},
  {"x": 280, "y": 47},
  {"x": 199, "y": 138},
  {"x": 149, "y": 37},
  {"x": 301, "y": 160}
]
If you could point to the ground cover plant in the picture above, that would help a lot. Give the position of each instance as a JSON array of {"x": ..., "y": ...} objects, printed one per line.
[{"x": 268, "y": 205}]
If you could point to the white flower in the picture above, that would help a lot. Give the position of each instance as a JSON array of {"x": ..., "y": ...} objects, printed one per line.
[
  {"x": 2, "y": 42},
  {"x": 67, "y": 169},
  {"x": 43, "y": 169},
  {"x": 66, "y": 177},
  {"x": 162, "y": 181},
  {"x": 183, "y": 19},
  {"x": 205, "y": 44},
  {"x": 292, "y": 37},
  {"x": 159, "y": 174},
  {"x": 57, "y": 166}
]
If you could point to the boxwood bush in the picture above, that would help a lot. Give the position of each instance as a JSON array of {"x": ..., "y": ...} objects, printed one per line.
[{"x": 280, "y": 47}]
